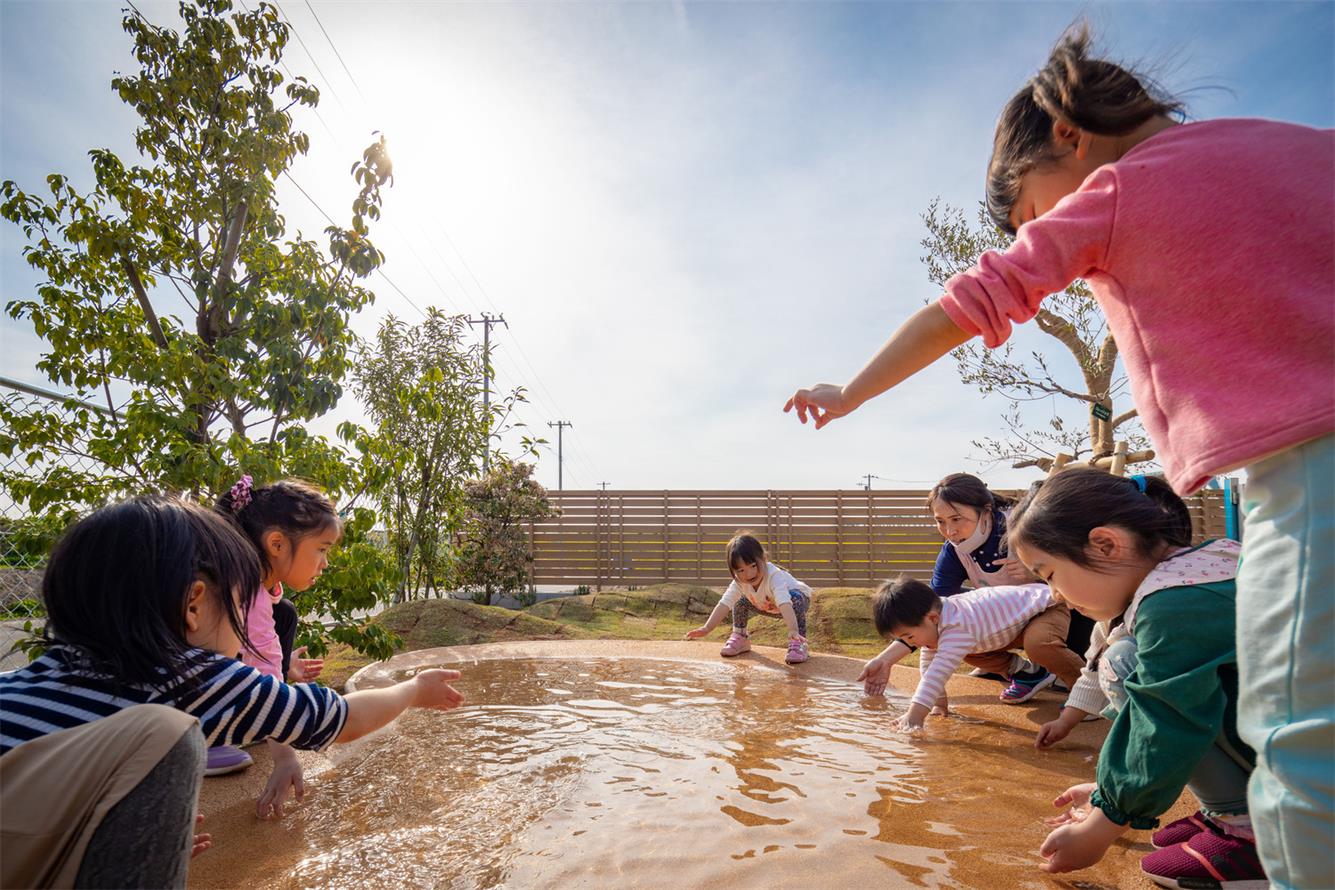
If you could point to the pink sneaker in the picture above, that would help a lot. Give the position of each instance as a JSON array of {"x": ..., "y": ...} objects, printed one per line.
[
  {"x": 736, "y": 645},
  {"x": 797, "y": 650}
]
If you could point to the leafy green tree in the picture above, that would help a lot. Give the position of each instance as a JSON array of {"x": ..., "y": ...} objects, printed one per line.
[
  {"x": 172, "y": 292},
  {"x": 1074, "y": 320},
  {"x": 495, "y": 552},
  {"x": 422, "y": 386}
]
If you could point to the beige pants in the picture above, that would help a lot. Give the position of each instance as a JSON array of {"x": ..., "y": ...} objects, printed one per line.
[
  {"x": 1043, "y": 640},
  {"x": 58, "y": 788}
]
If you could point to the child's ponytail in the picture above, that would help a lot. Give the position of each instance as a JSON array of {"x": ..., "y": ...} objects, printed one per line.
[
  {"x": 1097, "y": 96},
  {"x": 1057, "y": 515}
]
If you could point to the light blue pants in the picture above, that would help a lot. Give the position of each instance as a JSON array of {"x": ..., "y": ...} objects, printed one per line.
[{"x": 1286, "y": 660}]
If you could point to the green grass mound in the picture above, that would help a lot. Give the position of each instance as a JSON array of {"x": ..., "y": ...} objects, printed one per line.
[{"x": 838, "y": 623}]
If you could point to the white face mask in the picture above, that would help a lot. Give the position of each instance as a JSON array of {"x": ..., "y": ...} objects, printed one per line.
[
  {"x": 965, "y": 548},
  {"x": 980, "y": 534}
]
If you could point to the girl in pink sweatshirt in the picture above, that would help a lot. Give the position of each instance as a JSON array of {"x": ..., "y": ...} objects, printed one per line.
[{"x": 1211, "y": 249}]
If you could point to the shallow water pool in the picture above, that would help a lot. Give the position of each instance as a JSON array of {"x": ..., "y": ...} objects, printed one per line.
[{"x": 616, "y": 772}]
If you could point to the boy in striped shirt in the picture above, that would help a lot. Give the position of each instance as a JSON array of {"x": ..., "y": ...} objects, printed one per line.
[{"x": 979, "y": 627}]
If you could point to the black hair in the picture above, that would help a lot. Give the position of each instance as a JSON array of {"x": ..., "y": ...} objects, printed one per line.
[
  {"x": 744, "y": 549},
  {"x": 118, "y": 582},
  {"x": 902, "y": 602},
  {"x": 1095, "y": 95},
  {"x": 964, "y": 489},
  {"x": 1057, "y": 515},
  {"x": 296, "y": 508}
]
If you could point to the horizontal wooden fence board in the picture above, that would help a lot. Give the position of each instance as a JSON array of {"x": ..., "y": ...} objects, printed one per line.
[{"x": 824, "y": 537}]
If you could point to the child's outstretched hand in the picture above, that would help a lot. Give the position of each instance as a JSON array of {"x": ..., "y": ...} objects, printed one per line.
[
  {"x": 697, "y": 633},
  {"x": 434, "y": 690},
  {"x": 1077, "y": 798},
  {"x": 287, "y": 773},
  {"x": 302, "y": 669},
  {"x": 875, "y": 677},
  {"x": 824, "y": 402},
  {"x": 202, "y": 841},
  {"x": 907, "y": 725},
  {"x": 1083, "y": 838}
]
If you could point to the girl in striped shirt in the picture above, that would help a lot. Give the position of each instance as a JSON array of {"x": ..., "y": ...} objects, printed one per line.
[
  {"x": 146, "y": 606},
  {"x": 977, "y": 626}
]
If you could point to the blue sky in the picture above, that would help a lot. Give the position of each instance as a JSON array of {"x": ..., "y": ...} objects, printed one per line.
[{"x": 685, "y": 211}]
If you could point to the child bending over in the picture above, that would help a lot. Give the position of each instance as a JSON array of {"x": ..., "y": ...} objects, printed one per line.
[
  {"x": 977, "y": 626},
  {"x": 1119, "y": 549}
]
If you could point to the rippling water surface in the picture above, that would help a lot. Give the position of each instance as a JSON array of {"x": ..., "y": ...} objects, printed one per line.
[{"x": 625, "y": 772}]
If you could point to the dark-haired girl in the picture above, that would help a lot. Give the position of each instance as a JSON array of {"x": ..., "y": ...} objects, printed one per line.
[
  {"x": 1120, "y": 549},
  {"x": 292, "y": 526},
  {"x": 759, "y": 587},
  {"x": 1210, "y": 247},
  {"x": 145, "y": 606}
]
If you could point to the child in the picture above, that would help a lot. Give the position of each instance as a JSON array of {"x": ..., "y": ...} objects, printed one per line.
[
  {"x": 972, "y": 519},
  {"x": 292, "y": 527},
  {"x": 1187, "y": 236},
  {"x": 759, "y": 587},
  {"x": 1120, "y": 549},
  {"x": 977, "y": 626},
  {"x": 145, "y": 605}
]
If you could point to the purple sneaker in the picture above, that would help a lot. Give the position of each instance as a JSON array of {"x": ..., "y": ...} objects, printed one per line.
[
  {"x": 224, "y": 759},
  {"x": 1208, "y": 861},
  {"x": 797, "y": 650},
  {"x": 1025, "y": 686},
  {"x": 736, "y": 645}
]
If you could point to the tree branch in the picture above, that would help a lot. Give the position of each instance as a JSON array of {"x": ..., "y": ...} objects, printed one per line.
[{"x": 154, "y": 327}]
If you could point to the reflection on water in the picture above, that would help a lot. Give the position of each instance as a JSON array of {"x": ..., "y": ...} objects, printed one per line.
[{"x": 616, "y": 772}]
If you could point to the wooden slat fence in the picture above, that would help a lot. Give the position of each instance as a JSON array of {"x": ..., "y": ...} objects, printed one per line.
[{"x": 826, "y": 538}]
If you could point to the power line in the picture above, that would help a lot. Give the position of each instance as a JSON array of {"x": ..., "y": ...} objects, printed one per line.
[
  {"x": 379, "y": 271},
  {"x": 523, "y": 354},
  {"x": 297, "y": 34},
  {"x": 337, "y": 54}
]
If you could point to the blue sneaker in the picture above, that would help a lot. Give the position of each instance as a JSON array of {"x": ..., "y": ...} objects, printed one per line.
[
  {"x": 1025, "y": 686},
  {"x": 224, "y": 759}
]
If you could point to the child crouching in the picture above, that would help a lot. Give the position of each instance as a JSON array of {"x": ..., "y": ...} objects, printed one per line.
[
  {"x": 759, "y": 587},
  {"x": 979, "y": 627}
]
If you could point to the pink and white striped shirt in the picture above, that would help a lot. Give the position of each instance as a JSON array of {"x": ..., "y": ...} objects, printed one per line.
[{"x": 983, "y": 620}]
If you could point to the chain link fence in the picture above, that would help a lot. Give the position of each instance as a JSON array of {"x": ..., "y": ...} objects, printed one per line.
[{"x": 26, "y": 537}]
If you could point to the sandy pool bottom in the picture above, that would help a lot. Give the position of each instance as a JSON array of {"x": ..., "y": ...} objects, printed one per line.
[{"x": 589, "y": 770}]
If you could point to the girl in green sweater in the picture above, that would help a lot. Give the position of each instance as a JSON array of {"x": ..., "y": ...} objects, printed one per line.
[{"x": 1119, "y": 550}]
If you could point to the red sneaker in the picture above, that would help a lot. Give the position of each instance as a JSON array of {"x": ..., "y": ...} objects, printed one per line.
[{"x": 1208, "y": 861}]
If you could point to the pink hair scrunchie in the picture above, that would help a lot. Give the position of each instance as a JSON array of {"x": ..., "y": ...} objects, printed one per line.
[{"x": 240, "y": 493}]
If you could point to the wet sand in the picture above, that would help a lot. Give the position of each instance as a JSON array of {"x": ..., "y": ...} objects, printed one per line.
[{"x": 742, "y": 771}]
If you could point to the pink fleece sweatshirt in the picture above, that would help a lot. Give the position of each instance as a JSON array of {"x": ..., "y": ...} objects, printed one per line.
[
  {"x": 1211, "y": 249},
  {"x": 268, "y": 657}
]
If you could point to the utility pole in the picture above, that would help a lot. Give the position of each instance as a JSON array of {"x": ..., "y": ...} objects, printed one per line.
[
  {"x": 560, "y": 458},
  {"x": 867, "y": 486},
  {"x": 603, "y": 485},
  {"x": 487, "y": 321}
]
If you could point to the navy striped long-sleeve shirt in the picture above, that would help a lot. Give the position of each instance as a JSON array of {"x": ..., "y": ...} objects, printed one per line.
[{"x": 235, "y": 704}]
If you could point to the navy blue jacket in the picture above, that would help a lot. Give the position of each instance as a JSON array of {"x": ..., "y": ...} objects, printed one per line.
[{"x": 949, "y": 576}]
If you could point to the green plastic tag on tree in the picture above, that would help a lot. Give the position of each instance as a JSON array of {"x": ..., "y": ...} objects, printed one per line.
[{"x": 1102, "y": 412}]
